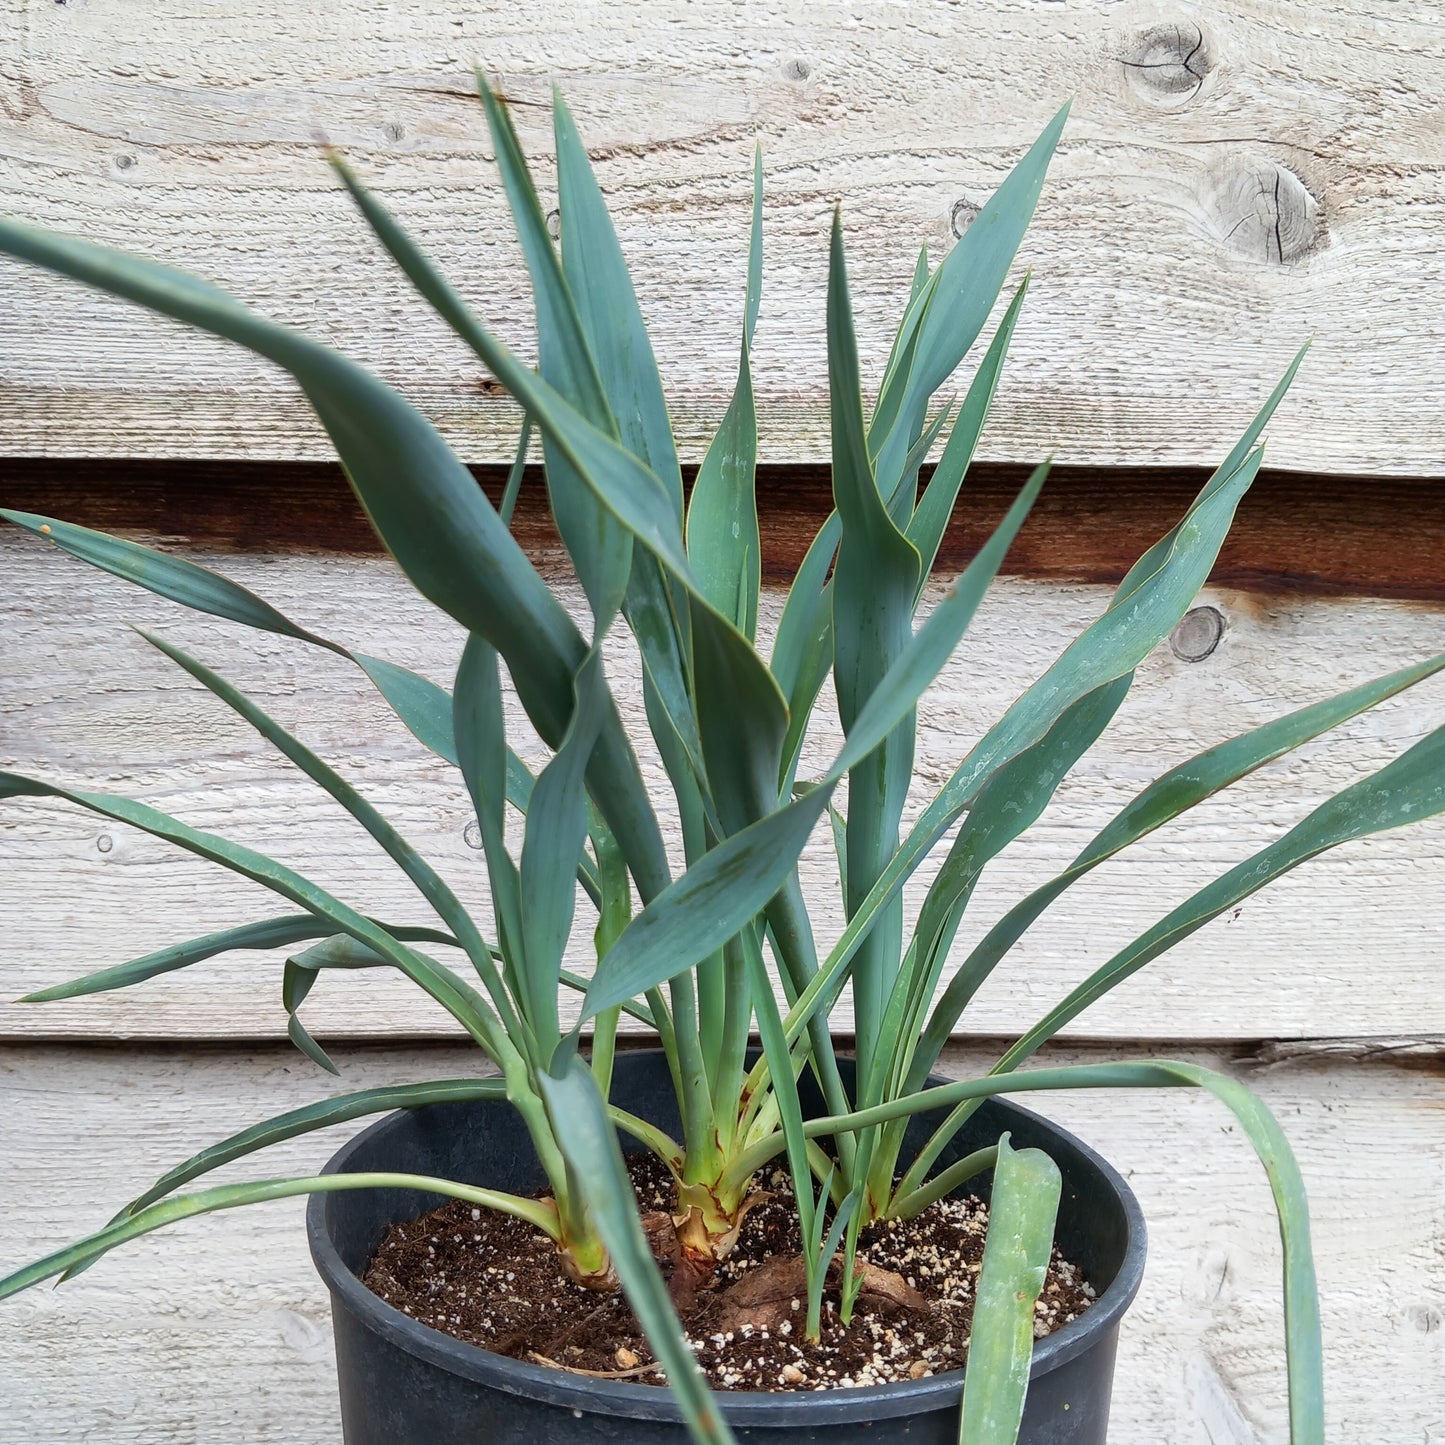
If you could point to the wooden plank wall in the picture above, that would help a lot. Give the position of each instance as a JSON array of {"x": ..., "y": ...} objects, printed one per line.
[
  {"x": 1231, "y": 181},
  {"x": 1234, "y": 179}
]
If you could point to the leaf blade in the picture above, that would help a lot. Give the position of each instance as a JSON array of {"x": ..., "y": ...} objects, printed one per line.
[
  {"x": 1022, "y": 1209},
  {"x": 588, "y": 1139}
]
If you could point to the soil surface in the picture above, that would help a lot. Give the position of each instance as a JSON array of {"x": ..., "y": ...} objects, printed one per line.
[{"x": 493, "y": 1281}]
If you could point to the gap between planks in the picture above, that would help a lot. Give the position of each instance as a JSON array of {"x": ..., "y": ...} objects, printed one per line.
[{"x": 1295, "y": 533}]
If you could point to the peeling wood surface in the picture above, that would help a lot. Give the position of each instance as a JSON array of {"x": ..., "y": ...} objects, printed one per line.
[
  {"x": 219, "y": 1329},
  {"x": 1231, "y": 182},
  {"x": 86, "y": 701}
]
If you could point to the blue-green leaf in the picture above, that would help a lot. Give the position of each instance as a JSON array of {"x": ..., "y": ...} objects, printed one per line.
[
  {"x": 608, "y": 311},
  {"x": 556, "y": 832},
  {"x": 268, "y": 933},
  {"x": 1169, "y": 796},
  {"x": 420, "y": 704},
  {"x": 732, "y": 884},
  {"x": 962, "y": 294},
  {"x": 930, "y": 520},
  {"x": 458, "y": 998},
  {"x": 1021, "y": 1213},
  {"x": 875, "y": 582},
  {"x": 600, "y": 549},
  {"x": 424, "y": 503},
  {"x": 723, "y": 542},
  {"x": 76, "y": 1256},
  {"x": 310, "y": 1117},
  {"x": 590, "y": 1144},
  {"x": 1408, "y": 790}
]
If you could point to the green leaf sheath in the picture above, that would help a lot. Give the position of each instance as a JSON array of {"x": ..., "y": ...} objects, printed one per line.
[
  {"x": 590, "y": 1143},
  {"x": 1021, "y": 1213},
  {"x": 875, "y": 582}
]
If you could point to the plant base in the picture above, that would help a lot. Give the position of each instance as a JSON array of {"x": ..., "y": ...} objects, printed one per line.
[{"x": 405, "y": 1384}]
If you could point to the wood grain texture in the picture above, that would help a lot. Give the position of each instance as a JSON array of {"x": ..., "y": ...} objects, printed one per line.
[
  {"x": 219, "y": 1330},
  {"x": 1231, "y": 182},
  {"x": 84, "y": 700}
]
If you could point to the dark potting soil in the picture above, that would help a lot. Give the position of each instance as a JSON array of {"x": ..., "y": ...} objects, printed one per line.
[{"x": 493, "y": 1281}]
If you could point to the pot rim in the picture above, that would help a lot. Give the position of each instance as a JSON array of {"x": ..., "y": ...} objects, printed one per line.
[{"x": 742, "y": 1408}]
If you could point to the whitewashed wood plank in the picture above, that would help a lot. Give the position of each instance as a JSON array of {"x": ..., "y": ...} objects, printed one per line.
[
  {"x": 84, "y": 700},
  {"x": 1232, "y": 181},
  {"x": 219, "y": 1330}
]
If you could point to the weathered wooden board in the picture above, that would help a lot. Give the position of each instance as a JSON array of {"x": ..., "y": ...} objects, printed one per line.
[
  {"x": 84, "y": 700},
  {"x": 1231, "y": 182},
  {"x": 218, "y": 1330}
]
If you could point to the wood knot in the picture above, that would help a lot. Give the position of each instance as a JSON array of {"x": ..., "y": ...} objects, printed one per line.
[
  {"x": 797, "y": 70},
  {"x": 1265, "y": 212},
  {"x": 962, "y": 216},
  {"x": 1168, "y": 64},
  {"x": 1198, "y": 633}
]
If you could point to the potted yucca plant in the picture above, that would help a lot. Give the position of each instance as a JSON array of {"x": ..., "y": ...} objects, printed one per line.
[{"x": 863, "y": 1144}]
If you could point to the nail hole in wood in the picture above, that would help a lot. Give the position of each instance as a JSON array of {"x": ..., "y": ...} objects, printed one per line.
[{"x": 1199, "y": 632}]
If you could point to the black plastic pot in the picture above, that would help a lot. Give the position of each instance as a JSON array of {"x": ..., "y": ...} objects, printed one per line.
[{"x": 403, "y": 1383}]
